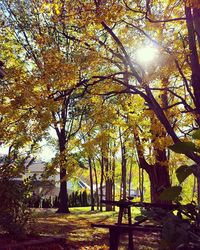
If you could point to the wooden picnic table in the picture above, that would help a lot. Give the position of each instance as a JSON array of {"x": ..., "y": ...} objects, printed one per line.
[
  {"x": 120, "y": 227},
  {"x": 125, "y": 207}
]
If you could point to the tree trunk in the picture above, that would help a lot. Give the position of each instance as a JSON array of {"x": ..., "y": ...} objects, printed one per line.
[
  {"x": 91, "y": 184},
  {"x": 101, "y": 183},
  {"x": 159, "y": 179},
  {"x": 97, "y": 187},
  {"x": 109, "y": 193},
  {"x": 123, "y": 166},
  {"x": 124, "y": 172},
  {"x": 63, "y": 197},
  {"x": 158, "y": 173},
  {"x": 141, "y": 183},
  {"x": 120, "y": 191},
  {"x": 113, "y": 184},
  {"x": 196, "y": 13},
  {"x": 198, "y": 190},
  {"x": 108, "y": 184},
  {"x": 130, "y": 177},
  {"x": 194, "y": 58}
]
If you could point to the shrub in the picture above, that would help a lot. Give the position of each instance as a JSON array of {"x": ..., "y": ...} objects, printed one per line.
[
  {"x": 14, "y": 207},
  {"x": 182, "y": 230}
]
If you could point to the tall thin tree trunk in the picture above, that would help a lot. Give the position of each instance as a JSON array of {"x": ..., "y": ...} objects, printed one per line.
[
  {"x": 120, "y": 191},
  {"x": 130, "y": 177},
  {"x": 124, "y": 171},
  {"x": 97, "y": 187},
  {"x": 108, "y": 181},
  {"x": 113, "y": 170},
  {"x": 141, "y": 184},
  {"x": 101, "y": 182},
  {"x": 123, "y": 166},
  {"x": 91, "y": 184}
]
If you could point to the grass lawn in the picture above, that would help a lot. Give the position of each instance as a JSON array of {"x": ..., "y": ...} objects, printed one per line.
[{"x": 76, "y": 229}]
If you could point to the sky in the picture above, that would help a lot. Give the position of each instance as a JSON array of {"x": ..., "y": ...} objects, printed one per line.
[{"x": 46, "y": 151}]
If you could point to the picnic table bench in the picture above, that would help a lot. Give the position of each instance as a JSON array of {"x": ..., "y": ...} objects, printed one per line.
[
  {"x": 116, "y": 230},
  {"x": 119, "y": 228}
]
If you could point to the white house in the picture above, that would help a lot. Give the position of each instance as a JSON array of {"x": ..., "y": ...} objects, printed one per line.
[{"x": 51, "y": 187}]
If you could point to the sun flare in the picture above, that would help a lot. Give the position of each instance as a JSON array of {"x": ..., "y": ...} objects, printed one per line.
[{"x": 146, "y": 55}]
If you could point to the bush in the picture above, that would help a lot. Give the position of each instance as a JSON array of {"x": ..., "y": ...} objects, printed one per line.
[
  {"x": 78, "y": 199},
  {"x": 56, "y": 202},
  {"x": 46, "y": 203},
  {"x": 14, "y": 207},
  {"x": 180, "y": 229}
]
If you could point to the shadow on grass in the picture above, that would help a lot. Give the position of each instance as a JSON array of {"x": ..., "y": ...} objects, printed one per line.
[{"x": 76, "y": 229}]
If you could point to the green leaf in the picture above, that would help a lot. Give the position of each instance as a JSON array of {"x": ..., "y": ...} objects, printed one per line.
[
  {"x": 183, "y": 172},
  {"x": 171, "y": 194},
  {"x": 196, "y": 134},
  {"x": 183, "y": 147}
]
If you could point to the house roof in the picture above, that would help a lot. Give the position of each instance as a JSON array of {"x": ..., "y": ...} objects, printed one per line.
[{"x": 36, "y": 167}]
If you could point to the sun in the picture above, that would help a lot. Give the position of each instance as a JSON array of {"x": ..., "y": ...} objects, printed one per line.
[{"x": 146, "y": 55}]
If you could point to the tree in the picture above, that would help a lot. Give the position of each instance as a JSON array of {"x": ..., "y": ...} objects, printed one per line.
[
  {"x": 48, "y": 56},
  {"x": 97, "y": 134},
  {"x": 102, "y": 39},
  {"x": 115, "y": 52}
]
